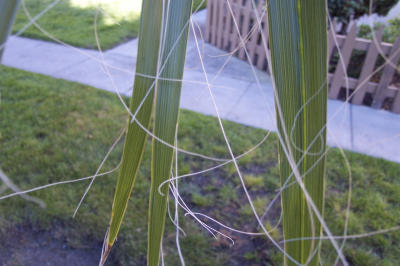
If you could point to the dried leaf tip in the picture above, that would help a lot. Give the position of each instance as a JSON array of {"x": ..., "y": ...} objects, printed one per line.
[{"x": 105, "y": 254}]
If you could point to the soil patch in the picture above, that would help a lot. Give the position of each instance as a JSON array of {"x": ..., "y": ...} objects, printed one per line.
[{"x": 28, "y": 247}]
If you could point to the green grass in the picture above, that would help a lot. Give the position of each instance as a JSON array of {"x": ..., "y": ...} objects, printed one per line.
[
  {"x": 201, "y": 200},
  {"x": 72, "y": 21},
  {"x": 54, "y": 130},
  {"x": 199, "y": 4},
  {"x": 254, "y": 182}
]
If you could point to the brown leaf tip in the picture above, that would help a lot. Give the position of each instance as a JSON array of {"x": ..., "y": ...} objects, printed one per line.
[{"x": 105, "y": 254}]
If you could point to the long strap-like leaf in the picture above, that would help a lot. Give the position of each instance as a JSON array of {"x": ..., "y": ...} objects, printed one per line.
[
  {"x": 166, "y": 116},
  {"x": 147, "y": 64},
  {"x": 8, "y": 11},
  {"x": 298, "y": 43}
]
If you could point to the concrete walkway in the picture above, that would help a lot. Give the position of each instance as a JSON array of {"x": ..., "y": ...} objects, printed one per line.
[{"x": 239, "y": 98}]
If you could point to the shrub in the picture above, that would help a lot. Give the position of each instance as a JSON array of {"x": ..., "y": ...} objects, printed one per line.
[
  {"x": 390, "y": 32},
  {"x": 345, "y": 10}
]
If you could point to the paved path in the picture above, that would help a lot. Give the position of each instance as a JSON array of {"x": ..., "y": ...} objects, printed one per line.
[{"x": 239, "y": 98}]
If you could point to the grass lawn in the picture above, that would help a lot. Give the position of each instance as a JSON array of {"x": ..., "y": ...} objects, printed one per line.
[
  {"x": 54, "y": 130},
  {"x": 72, "y": 21}
]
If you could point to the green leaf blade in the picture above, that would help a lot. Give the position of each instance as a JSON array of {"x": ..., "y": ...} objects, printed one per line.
[
  {"x": 166, "y": 118},
  {"x": 298, "y": 42},
  {"x": 147, "y": 64}
]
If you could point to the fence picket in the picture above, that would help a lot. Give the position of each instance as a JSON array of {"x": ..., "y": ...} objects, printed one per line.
[
  {"x": 387, "y": 75},
  {"x": 346, "y": 50},
  {"x": 331, "y": 38},
  {"x": 214, "y": 31},
  {"x": 396, "y": 102},
  {"x": 221, "y": 15},
  {"x": 209, "y": 22},
  {"x": 262, "y": 53},
  {"x": 367, "y": 69},
  {"x": 228, "y": 28},
  {"x": 235, "y": 34},
  {"x": 245, "y": 29},
  {"x": 252, "y": 43}
]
